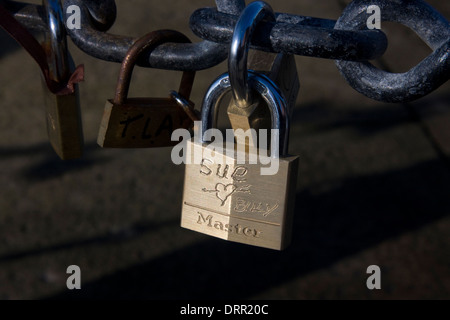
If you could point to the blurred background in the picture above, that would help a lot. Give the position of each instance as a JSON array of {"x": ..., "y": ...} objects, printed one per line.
[{"x": 373, "y": 186}]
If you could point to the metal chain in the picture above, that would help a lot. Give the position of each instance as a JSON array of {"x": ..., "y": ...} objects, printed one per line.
[
  {"x": 102, "y": 14},
  {"x": 427, "y": 76},
  {"x": 350, "y": 43},
  {"x": 347, "y": 41},
  {"x": 182, "y": 57},
  {"x": 299, "y": 35},
  {"x": 98, "y": 16}
]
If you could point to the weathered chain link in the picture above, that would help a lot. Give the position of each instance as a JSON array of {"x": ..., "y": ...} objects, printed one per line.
[
  {"x": 348, "y": 41},
  {"x": 427, "y": 76},
  {"x": 306, "y": 36},
  {"x": 98, "y": 16},
  {"x": 102, "y": 14},
  {"x": 183, "y": 57}
]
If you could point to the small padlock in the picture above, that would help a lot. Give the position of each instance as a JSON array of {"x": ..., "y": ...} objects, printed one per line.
[
  {"x": 281, "y": 69},
  {"x": 230, "y": 199},
  {"x": 63, "y": 114},
  {"x": 144, "y": 122},
  {"x": 249, "y": 111}
]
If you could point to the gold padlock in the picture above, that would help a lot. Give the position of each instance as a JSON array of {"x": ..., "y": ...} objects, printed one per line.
[
  {"x": 282, "y": 70},
  {"x": 246, "y": 110},
  {"x": 230, "y": 198},
  {"x": 144, "y": 122},
  {"x": 63, "y": 114}
]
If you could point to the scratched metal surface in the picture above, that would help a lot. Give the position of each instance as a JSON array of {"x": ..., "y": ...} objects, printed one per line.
[{"x": 373, "y": 188}]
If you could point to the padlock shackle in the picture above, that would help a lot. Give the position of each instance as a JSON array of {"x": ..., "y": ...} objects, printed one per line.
[
  {"x": 56, "y": 41},
  {"x": 148, "y": 43},
  {"x": 270, "y": 93},
  {"x": 254, "y": 13}
]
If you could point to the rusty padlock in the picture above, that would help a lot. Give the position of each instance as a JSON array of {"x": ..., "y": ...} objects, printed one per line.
[{"x": 144, "y": 122}]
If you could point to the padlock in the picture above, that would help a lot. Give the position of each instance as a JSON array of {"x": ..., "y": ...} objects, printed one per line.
[
  {"x": 144, "y": 122},
  {"x": 63, "y": 114},
  {"x": 230, "y": 199},
  {"x": 249, "y": 111},
  {"x": 282, "y": 70}
]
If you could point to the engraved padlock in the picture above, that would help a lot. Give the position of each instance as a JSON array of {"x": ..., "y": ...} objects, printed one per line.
[
  {"x": 230, "y": 198},
  {"x": 246, "y": 110},
  {"x": 144, "y": 122},
  {"x": 282, "y": 70},
  {"x": 63, "y": 113}
]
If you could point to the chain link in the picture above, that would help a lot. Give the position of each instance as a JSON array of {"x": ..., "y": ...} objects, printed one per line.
[
  {"x": 347, "y": 41},
  {"x": 291, "y": 34},
  {"x": 427, "y": 76}
]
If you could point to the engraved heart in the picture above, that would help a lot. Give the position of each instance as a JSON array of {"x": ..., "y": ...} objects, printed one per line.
[{"x": 224, "y": 191}]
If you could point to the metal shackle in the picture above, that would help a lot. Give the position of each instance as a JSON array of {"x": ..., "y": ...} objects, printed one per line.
[
  {"x": 56, "y": 39},
  {"x": 271, "y": 95},
  {"x": 147, "y": 43},
  {"x": 240, "y": 45}
]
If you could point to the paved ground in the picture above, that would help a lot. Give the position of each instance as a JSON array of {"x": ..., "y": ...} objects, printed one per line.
[{"x": 373, "y": 188}]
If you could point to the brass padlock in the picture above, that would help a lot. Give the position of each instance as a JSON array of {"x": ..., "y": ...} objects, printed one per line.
[
  {"x": 230, "y": 199},
  {"x": 63, "y": 114},
  {"x": 144, "y": 122},
  {"x": 282, "y": 70},
  {"x": 246, "y": 110}
]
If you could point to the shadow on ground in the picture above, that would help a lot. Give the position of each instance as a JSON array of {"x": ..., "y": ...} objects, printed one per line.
[{"x": 359, "y": 214}]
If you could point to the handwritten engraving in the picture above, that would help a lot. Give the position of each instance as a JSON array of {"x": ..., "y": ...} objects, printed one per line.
[
  {"x": 128, "y": 122},
  {"x": 204, "y": 169},
  {"x": 238, "y": 174},
  {"x": 166, "y": 125},
  {"x": 245, "y": 206},
  {"x": 224, "y": 173},
  {"x": 223, "y": 192},
  {"x": 145, "y": 124}
]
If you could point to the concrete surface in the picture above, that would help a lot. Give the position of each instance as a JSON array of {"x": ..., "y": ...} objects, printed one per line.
[{"x": 373, "y": 187}]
